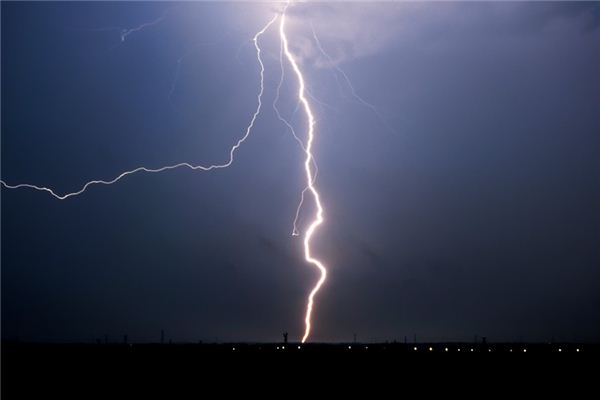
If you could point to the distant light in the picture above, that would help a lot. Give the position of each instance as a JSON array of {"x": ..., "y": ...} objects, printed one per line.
[
  {"x": 458, "y": 349},
  {"x": 277, "y": 347},
  {"x": 282, "y": 347},
  {"x": 511, "y": 350},
  {"x": 298, "y": 347},
  {"x": 471, "y": 349},
  {"x": 489, "y": 350},
  {"x": 415, "y": 348},
  {"x": 446, "y": 349},
  {"x": 431, "y": 349},
  {"x": 578, "y": 350},
  {"x": 524, "y": 350},
  {"x": 233, "y": 348},
  {"x": 349, "y": 347},
  {"x": 559, "y": 350},
  {"x": 366, "y": 347}
]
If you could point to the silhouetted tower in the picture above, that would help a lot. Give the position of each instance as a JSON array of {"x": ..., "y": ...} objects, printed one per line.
[{"x": 285, "y": 335}]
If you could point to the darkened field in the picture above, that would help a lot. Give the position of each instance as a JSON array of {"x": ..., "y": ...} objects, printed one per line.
[
  {"x": 27, "y": 356},
  {"x": 81, "y": 368}
]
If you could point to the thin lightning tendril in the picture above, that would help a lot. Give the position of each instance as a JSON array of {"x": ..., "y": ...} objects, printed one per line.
[
  {"x": 319, "y": 102},
  {"x": 127, "y": 32},
  {"x": 178, "y": 71},
  {"x": 344, "y": 75},
  {"x": 180, "y": 165}
]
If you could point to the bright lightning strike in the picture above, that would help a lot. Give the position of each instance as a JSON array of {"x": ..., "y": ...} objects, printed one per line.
[
  {"x": 310, "y": 184},
  {"x": 295, "y": 230},
  {"x": 180, "y": 165},
  {"x": 310, "y": 166}
]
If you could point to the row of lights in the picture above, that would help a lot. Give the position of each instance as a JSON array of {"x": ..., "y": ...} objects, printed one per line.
[
  {"x": 489, "y": 350},
  {"x": 416, "y": 349},
  {"x": 282, "y": 348},
  {"x": 299, "y": 347}
]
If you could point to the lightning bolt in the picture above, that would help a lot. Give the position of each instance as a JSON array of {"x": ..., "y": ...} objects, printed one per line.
[
  {"x": 310, "y": 181},
  {"x": 295, "y": 230},
  {"x": 310, "y": 166},
  {"x": 174, "y": 166}
]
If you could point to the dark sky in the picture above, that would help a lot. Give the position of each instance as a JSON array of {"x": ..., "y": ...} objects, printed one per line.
[{"x": 471, "y": 207}]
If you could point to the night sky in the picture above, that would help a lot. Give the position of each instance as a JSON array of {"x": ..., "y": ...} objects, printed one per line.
[{"x": 467, "y": 204}]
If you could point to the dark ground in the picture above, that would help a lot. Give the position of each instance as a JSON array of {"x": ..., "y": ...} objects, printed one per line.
[{"x": 82, "y": 369}]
